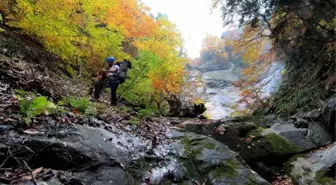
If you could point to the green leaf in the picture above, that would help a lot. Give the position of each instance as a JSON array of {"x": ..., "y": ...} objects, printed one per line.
[
  {"x": 28, "y": 120},
  {"x": 49, "y": 108},
  {"x": 63, "y": 102},
  {"x": 39, "y": 102},
  {"x": 24, "y": 106},
  {"x": 82, "y": 104}
]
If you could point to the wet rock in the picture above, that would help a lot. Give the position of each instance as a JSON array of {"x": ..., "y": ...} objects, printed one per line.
[
  {"x": 329, "y": 116},
  {"x": 95, "y": 155},
  {"x": 313, "y": 115},
  {"x": 313, "y": 136},
  {"x": 254, "y": 142},
  {"x": 98, "y": 156},
  {"x": 219, "y": 78},
  {"x": 317, "y": 168},
  {"x": 206, "y": 159},
  {"x": 5, "y": 128},
  {"x": 104, "y": 175}
]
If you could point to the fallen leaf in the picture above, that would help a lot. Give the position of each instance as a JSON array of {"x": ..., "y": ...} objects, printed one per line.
[
  {"x": 31, "y": 131},
  {"x": 75, "y": 111},
  {"x": 27, "y": 177},
  {"x": 180, "y": 125},
  {"x": 37, "y": 171}
]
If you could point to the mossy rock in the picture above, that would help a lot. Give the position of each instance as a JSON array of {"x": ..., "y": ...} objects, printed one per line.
[
  {"x": 322, "y": 179},
  {"x": 211, "y": 162},
  {"x": 228, "y": 170},
  {"x": 280, "y": 146},
  {"x": 288, "y": 164}
]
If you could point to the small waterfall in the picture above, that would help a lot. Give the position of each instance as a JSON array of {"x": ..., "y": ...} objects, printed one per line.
[
  {"x": 220, "y": 96},
  {"x": 271, "y": 81}
]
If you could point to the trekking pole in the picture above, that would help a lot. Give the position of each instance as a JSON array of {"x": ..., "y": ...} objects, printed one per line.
[{"x": 131, "y": 83}]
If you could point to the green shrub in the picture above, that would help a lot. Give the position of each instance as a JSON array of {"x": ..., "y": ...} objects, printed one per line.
[
  {"x": 146, "y": 113},
  {"x": 82, "y": 104},
  {"x": 70, "y": 70},
  {"x": 32, "y": 105}
]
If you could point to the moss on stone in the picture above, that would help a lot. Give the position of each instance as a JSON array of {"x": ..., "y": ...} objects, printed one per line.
[
  {"x": 280, "y": 145},
  {"x": 227, "y": 170},
  {"x": 322, "y": 179},
  {"x": 288, "y": 166},
  {"x": 256, "y": 132},
  {"x": 210, "y": 146},
  {"x": 187, "y": 145}
]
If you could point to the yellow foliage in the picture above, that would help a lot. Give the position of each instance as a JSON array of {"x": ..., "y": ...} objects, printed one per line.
[
  {"x": 254, "y": 49},
  {"x": 86, "y": 32}
]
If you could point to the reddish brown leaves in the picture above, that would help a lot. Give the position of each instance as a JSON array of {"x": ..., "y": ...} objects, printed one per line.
[{"x": 283, "y": 180}]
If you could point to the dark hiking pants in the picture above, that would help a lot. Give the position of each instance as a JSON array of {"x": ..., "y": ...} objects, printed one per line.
[
  {"x": 113, "y": 84},
  {"x": 98, "y": 88}
]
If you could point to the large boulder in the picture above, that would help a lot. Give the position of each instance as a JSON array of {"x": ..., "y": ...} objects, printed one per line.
[
  {"x": 317, "y": 168},
  {"x": 329, "y": 116},
  {"x": 92, "y": 155},
  {"x": 205, "y": 160},
  {"x": 259, "y": 138}
]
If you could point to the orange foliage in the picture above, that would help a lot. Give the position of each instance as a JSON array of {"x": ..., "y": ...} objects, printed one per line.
[
  {"x": 131, "y": 19},
  {"x": 255, "y": 50}
]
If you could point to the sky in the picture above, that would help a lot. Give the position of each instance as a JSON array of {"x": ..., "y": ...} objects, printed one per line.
[{"x": 193, "y": 19}]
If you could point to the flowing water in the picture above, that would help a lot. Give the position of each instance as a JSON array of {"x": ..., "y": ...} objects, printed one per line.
[{"x": 221, "y": 98}]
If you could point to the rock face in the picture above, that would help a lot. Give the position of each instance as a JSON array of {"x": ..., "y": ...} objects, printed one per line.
[
  {"x": 255, "y": 142},
  {"x": 212, "y": 66},
  {"x": 329, "y": 116},
  {"x": 219, "y": 78},
  {"x": 99, "y": 156},
  {"x": 317, "y": 168}
]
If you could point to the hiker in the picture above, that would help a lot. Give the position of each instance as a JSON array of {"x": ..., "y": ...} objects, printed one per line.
[
  {"x": 115, "y": 74},
  {"x": 112, "y": 79},
  {"x": 98, "y": 85}
]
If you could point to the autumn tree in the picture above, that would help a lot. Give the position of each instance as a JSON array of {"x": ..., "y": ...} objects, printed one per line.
[
  {"x": 214, "y": 49},
  {"x": 166, "y": 77}
]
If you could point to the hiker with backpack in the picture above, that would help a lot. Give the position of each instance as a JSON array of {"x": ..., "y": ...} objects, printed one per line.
[{"x": 111, "y": 78}]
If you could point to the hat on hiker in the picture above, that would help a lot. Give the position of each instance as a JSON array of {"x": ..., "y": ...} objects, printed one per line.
[{"x": 110, "y": 59}]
